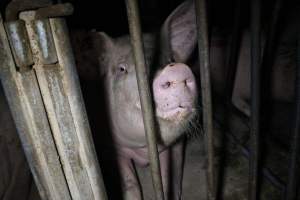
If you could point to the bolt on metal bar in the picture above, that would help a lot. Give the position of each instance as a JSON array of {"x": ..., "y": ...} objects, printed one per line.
[
  {"x": 291, "y": 192},
  {"x": 145, "y": 94},
  {"x": 255, "y": 97},
  {"x": 201, "y": 18}
]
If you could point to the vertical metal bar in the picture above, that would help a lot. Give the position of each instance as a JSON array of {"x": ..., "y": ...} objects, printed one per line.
[
  {"x": 25, "y": 102},
  {"x": 255, "y": 97},
  {"x": 145, "y": 94},
  {"x": 75, "y": 100},
  {"x": 291, "y": 193},
  {"x": 202, "y": 27},
  {"x": 59, "y": 86}
]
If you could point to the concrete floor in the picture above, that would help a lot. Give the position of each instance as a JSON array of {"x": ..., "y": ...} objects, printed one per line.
[{"x": 194, "y": 184}]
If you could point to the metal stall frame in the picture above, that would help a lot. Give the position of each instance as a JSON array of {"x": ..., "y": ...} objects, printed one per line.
[
  {"x": 28, "y": 112},
  {"x": 203, "y": 48},
  {"x": 255, "y": 98},
  {"x": 47, "y": 106}
]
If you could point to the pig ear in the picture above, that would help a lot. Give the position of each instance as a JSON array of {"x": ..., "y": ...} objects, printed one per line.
[
  {"x": 103, "y": 45},
  {"x": 179, "y": 34}
]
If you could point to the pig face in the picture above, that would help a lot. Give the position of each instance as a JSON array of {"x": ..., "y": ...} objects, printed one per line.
[{"x": 173, "y": 85}]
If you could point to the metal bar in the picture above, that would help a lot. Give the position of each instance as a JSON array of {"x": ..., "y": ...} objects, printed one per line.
[
  {"x": 26, "y": 105},
  {"x": 202, "y": 27},
  {"x": 16, "y": 6},
  {"x": 255, "y": 97},
  {"x": 58, "y": 10},
  {"x": 145, "y": 95},
  {"x": 71, "y": 87},
  {"x": 291, "y": 193},
  {"x": 61, "y": 95}
]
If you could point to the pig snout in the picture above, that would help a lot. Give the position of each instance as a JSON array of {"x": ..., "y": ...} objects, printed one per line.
[{"x": 175, "y": 92}]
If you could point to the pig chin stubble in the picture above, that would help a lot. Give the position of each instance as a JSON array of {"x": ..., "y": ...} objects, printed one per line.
[{"x": 172, "y": 128}]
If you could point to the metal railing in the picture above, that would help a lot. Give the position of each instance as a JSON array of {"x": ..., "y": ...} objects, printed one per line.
[
  {"x": 203, "y": 49},
  {"x": 42, "y": 87},
  {"x": 145, "y": 95}
]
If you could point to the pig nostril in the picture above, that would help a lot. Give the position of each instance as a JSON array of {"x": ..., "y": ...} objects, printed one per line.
[
  {"x": 188, "y": 82},
  {"x": 166, "y": 85}
]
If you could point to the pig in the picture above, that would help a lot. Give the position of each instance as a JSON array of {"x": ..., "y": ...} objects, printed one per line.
[{"x": 174, "y": 91}]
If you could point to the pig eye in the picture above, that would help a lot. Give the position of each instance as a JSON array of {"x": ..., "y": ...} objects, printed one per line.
[{"x": 122, "y": 68}]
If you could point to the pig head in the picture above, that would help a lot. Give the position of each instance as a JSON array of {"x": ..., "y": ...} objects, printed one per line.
[{"x": 173, "y": 84}]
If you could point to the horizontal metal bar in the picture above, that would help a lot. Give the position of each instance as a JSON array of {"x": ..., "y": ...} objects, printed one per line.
[
  {"x": 145, "y": 94},
  {"x": 202, "y": 28},
  {"x": 58, "y": 10},
  {"x": 16, "y": 6}
]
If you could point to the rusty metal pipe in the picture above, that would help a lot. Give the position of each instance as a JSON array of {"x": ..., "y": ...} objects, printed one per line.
[
  {"x": 201, "y": 18},
  {"x": 291, "y": 192},
  {"x": 57, "y": 10},
  {"x": 255, "y": 97},
  {"x": 145, "y": 94},
  {"x": 16, "y": 6}
]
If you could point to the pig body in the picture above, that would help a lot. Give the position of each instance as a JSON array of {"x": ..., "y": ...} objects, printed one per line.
[
  {"x": 175, "y": 100},
  {"x": 175, "y": 97}
]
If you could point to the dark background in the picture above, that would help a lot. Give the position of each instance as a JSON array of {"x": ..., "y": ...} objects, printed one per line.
[{"x": 110, "y": 15}]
